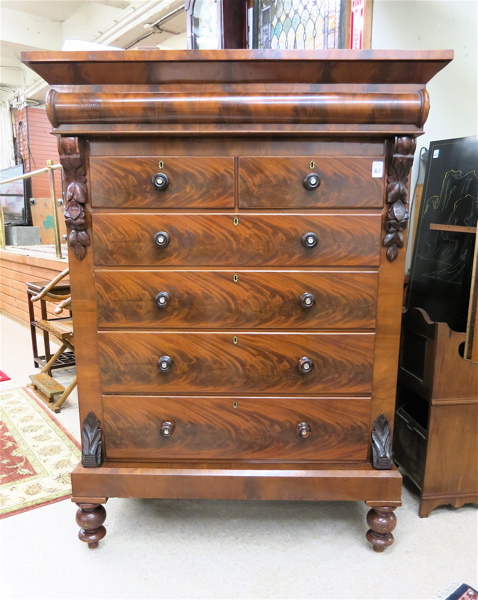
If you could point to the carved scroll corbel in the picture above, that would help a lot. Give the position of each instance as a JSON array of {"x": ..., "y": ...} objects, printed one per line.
[
  {"x": 91, "y": 444},
  {"x": 397, "y": 195},
  {"x": 76, "y": 194},
  {"x": 381, "y": 444}
]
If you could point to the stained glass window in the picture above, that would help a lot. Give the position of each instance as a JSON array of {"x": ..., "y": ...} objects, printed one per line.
[{"x": 303, "y": 24}]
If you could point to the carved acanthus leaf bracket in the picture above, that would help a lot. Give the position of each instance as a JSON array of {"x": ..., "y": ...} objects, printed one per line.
[
  {"x": 381, "y": 444},
  {"x": 76, "y": 194},
  {"x": 91, "y": 444},
  {"x": 397, "y": 194}
]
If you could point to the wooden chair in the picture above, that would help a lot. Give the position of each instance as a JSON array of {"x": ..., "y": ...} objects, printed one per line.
[{"x": 48, "y": 389}]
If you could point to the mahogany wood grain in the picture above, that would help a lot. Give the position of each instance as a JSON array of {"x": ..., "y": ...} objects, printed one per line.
[
  {"x": 85, "y": 318},
  {"x": 194, "y": 182},
  {"x": 236, "y": 428},
  {"x": 204, "y": 145},
  {"x": 195, "y": 107},
  {"x": 258, "y": 363},
  {"x": 237, "y": 66},
  {"x": 389, "y": 312},
  {"x": 239, "y": 481},
  {"x": 242, "y": 105},
  {"x": 90, "y": 517},
  {"x": 258, "y": 240},
  {"x": 259, "y": 299},
  {"x": 277, "y": 182}
]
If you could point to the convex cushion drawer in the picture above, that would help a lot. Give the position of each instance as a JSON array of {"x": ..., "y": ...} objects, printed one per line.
[
  {"x": 317, "y": 363},
  {"x": 172, "y": 239},
  {"x": 156, "y": 428},
  {"x": 233, "y": 299},
  {"x": 303, "y": 182},
  {"x": 181, "y": 182}
]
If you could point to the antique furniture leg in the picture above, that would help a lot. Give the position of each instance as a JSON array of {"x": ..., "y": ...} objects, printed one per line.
[
  {"x": 296, "y": 228},
  {"x": 382, "y": 522},
  {"x": 57, "y": 406},
  {"x": 90, "y": 517},
  {"x": 31, "y": 313}
]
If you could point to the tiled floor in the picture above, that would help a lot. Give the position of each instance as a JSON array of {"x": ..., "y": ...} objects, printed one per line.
[{"x": 210, "y": 549}]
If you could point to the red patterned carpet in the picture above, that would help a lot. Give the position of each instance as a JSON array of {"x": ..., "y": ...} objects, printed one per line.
[{"x": 37, "y": 454}]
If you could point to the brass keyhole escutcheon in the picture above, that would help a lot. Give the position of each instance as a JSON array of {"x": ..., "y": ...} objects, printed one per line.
[
  {"x": 235, "y": 340},
  {"x": 235, "y": 278},
  {"x": 234, "y": 405},
  {"x": 235, "y": 221},
  {"x": 161, "y": 164},
  {"x": 312, "y": 164}
]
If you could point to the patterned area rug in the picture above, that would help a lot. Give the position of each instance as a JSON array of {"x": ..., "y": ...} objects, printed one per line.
[{"x": 37, "y": 454}]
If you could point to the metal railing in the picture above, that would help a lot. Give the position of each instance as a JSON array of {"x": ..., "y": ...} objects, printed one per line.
[{"x": 56, "y": 224}]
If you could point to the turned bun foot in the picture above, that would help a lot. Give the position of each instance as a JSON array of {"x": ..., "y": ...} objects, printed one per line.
[
  {"x": 90, "y": 517},
  {"x": 382, "y": 522}
]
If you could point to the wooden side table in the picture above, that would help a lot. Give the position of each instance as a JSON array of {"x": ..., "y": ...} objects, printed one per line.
[{"x": 66, "y": 359}]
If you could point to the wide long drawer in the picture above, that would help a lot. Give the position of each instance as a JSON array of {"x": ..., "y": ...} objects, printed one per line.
[
  {"x": 236, "y": 299},
  {"x": 155, "y": 428},
  {"x": 251, "y": 363},
  {"x": 299, "y": 182},
  {"x": 237, "y": 240},
  {"x": 184, "y": 182}
]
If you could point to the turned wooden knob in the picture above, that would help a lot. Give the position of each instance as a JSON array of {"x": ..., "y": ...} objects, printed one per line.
[
  {"x": 303, "y": 429},
  {"x": 162, "y": 239},
  {"x": 305, "y": 365},
  {"x": 311, "y": 181},
  {"x": 165, "y": 364},
  {"x": 163, "y": 299},
  {"x": 161, "y": 181},
  {"x": 307, "y": 300},
  {"x": 167, "y": 428},
  {"x": 309, "y": 240}
]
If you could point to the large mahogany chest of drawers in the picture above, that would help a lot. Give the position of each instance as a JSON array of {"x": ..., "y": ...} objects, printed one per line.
[{"x": 236, "y": 249}]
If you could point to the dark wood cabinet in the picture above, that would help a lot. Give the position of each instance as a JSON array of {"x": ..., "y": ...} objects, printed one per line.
[
  {"x": 236, "y": 228},
  {"x": 436, "y": 433}
]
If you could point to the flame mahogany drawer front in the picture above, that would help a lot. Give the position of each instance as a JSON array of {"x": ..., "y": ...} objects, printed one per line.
[
  {"x": 181, "y": 182},
  {"x": 236, "y": 363},
  {"x": 233, "y": 299},
  {"x": 164, "y": 428},
  {"x": 237, "y": 239},
  {"x": 304, "y": 182},
  {"x": 236, "y": 228}
]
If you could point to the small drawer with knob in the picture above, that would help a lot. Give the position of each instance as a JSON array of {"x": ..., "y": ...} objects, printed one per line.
[
  {"x": 228, "y": 299},
  {"x": 162, "y": 182},
  {"x": 185, "y": 427},
  {"x": 236, "y": 362},
  {"x": 237, "y": 239},
  {"x": 310, "y": 182}
]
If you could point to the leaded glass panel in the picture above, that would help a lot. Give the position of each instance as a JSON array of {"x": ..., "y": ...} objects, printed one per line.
[{"x": 306, "y": 24}]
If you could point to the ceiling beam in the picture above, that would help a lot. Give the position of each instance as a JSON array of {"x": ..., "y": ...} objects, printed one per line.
[
  {"x": 94, "y": 22},
  {"x": 20, "y": 30}
]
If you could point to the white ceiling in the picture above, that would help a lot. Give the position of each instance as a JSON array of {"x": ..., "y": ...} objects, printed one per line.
[
  {"x": 27, "y": 25},
  {"x": 56, "y": 10}
]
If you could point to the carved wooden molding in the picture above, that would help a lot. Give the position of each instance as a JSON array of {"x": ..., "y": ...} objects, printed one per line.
[
  {"x": 397, "y": 194},
  {"x": 91, "y": 444},
  {"x": 200, "y": 108},
  {"x": 381, "y": 444},
  {"x": 76, "y": 194}
]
